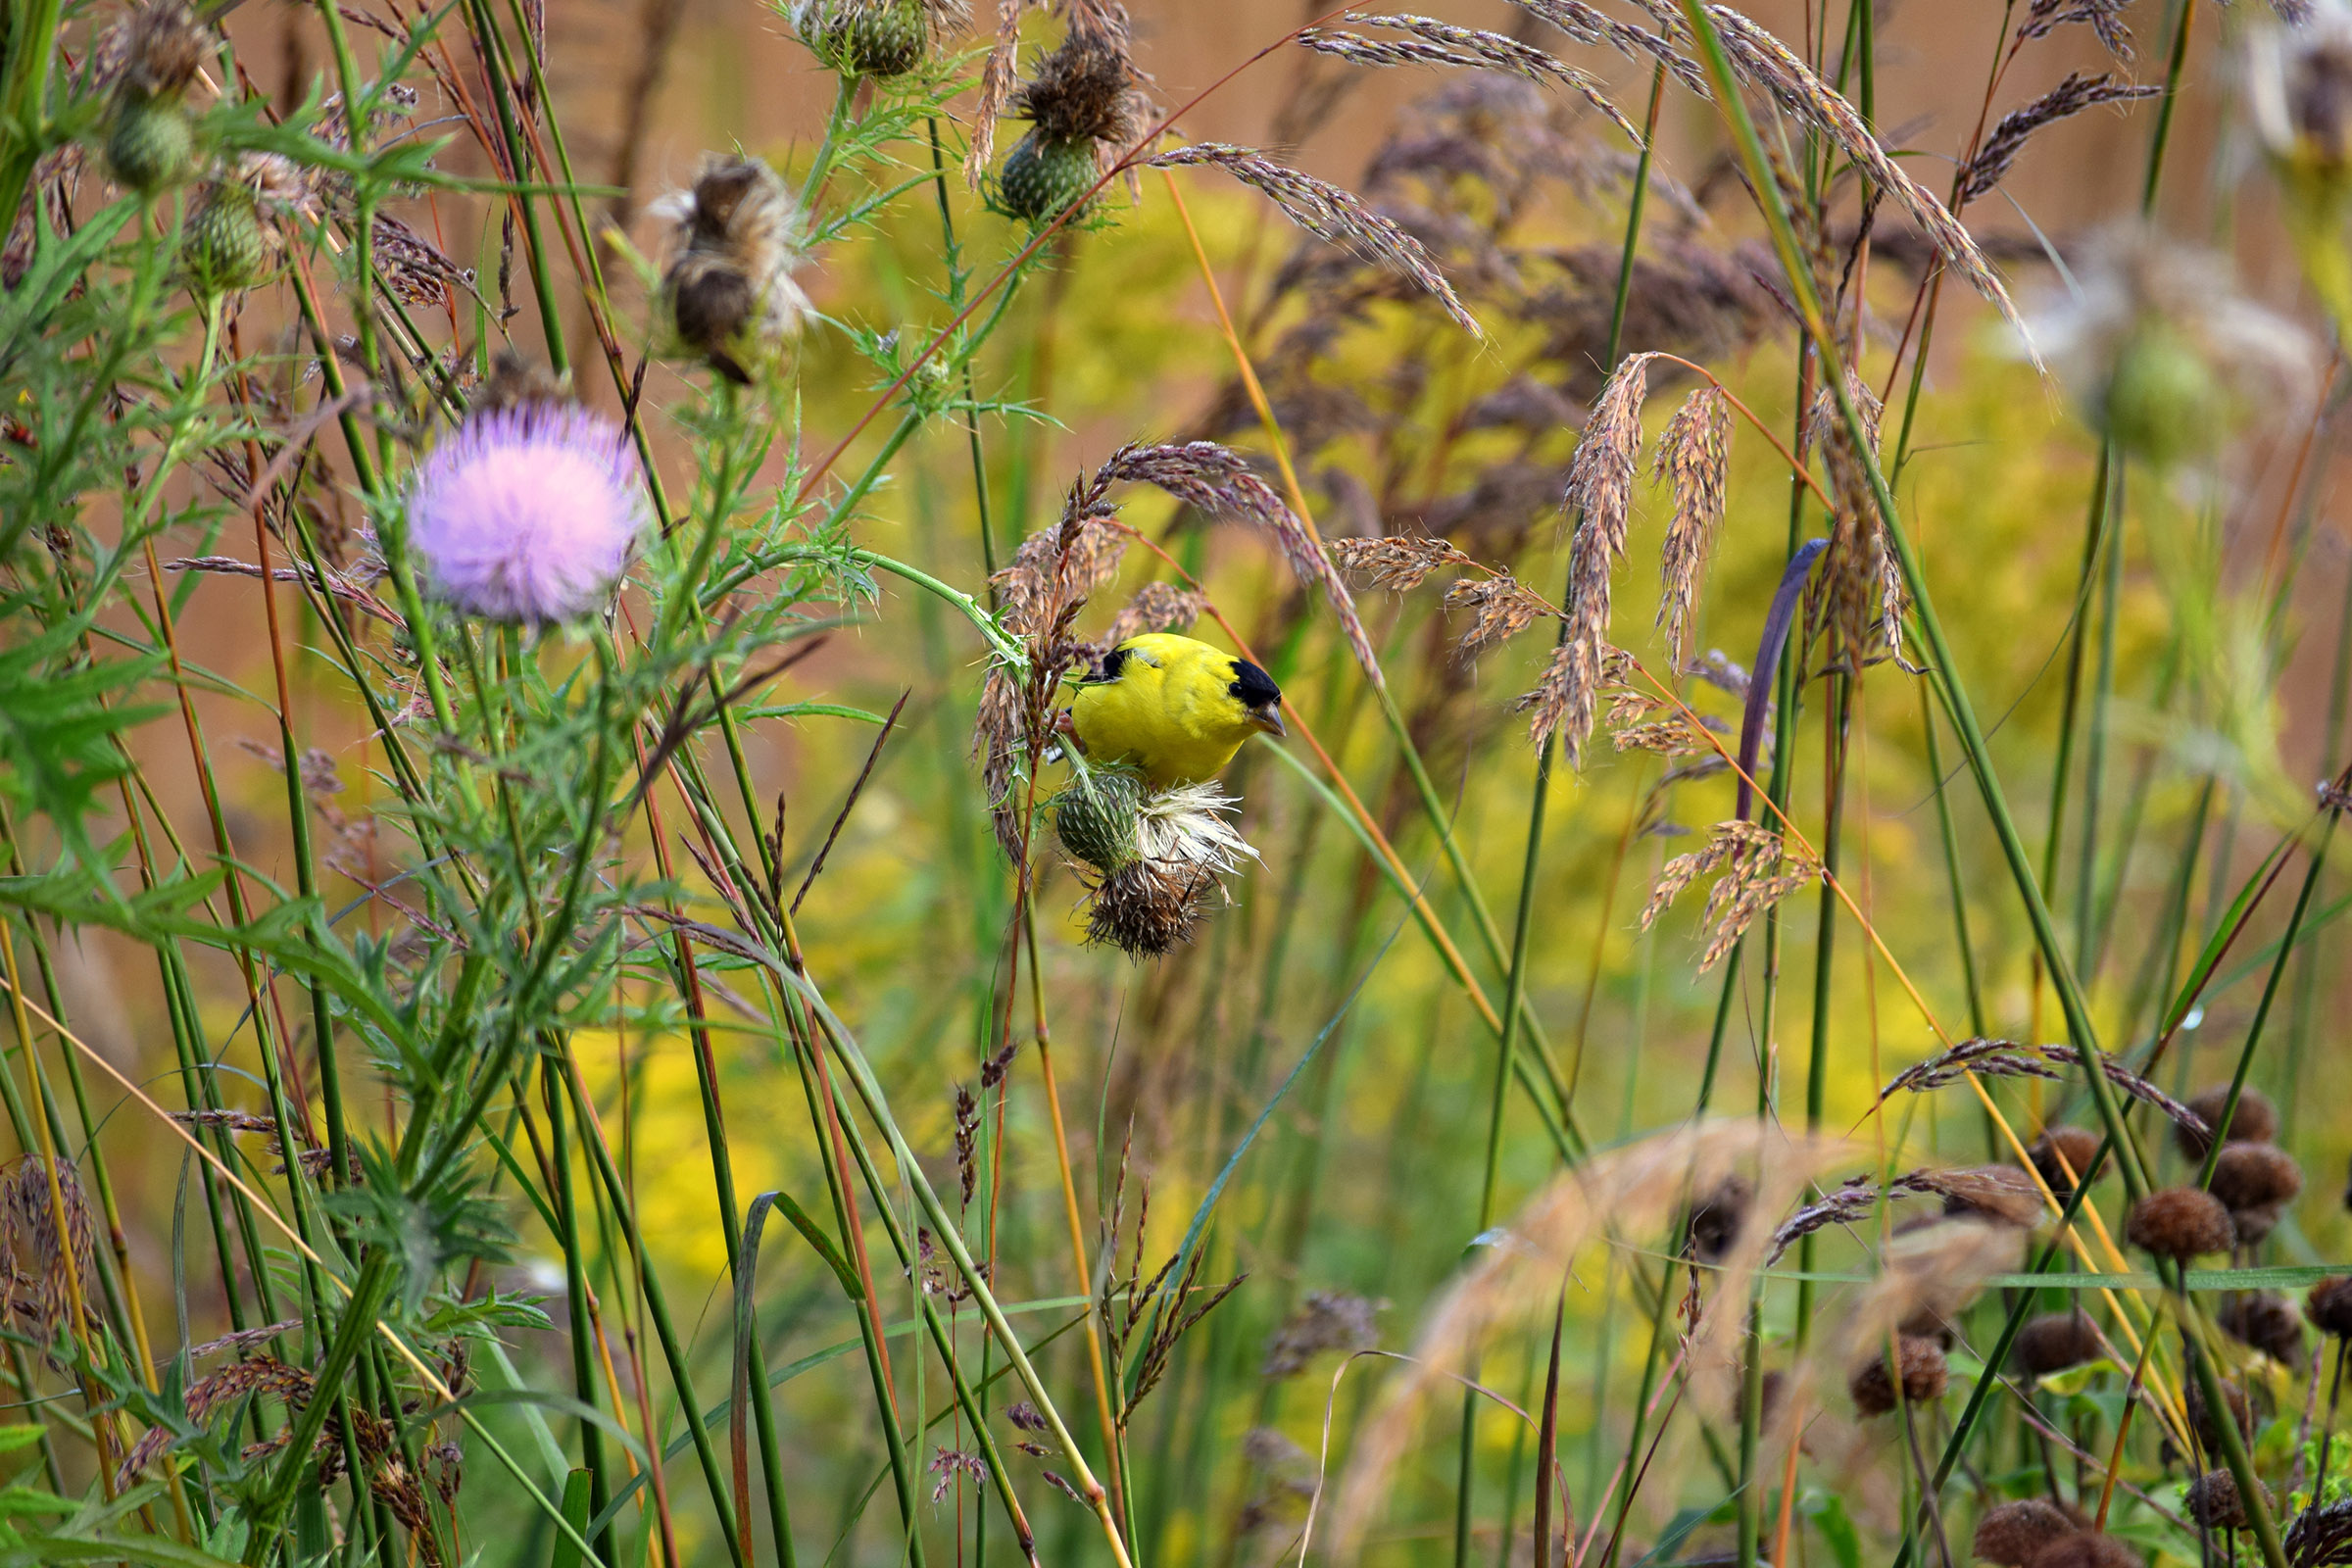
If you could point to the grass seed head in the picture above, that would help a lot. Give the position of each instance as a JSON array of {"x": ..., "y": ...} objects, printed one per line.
[
  {"x": 2001, "y": 1193},
  {"x": 2010, "y": 1533},
  {"x": 2329, "y": 1306},
  {"x": 2077, "y": 1146},
  {"x": 2054, "y": 1342},
  {"x": 1924, "y": 1376},
  {"x": 2181, "y": 1223},
  {"x": 30, "y": 1243}
]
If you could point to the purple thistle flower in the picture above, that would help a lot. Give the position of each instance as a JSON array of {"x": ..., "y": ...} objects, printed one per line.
[{"x": 527, "y": 513}]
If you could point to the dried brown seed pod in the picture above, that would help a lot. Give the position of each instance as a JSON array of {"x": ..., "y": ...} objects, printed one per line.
[
  {"x": 2180, "y": 1223},
  {"x": 2255, "y": 1121},
  {"x": 2078, "y": 1144},
  {"x": 2253, "y": 1224},
  {"x": 2010, "y": 1533},
  {"x": 2054, "y": 1342},
  {"x": 2200, "y": 1414},
  {"x": 1717, "y": 1218},
  {"x": 2329, "y": 1306},
  {"x": 2085, "y": 1550},
  {"x": 2249, "y": 1175},
  {"x": 1923, "y": 1375},
  {"x": 2265, "y": 1320},
  {"x": 2214, "y": 1501}
]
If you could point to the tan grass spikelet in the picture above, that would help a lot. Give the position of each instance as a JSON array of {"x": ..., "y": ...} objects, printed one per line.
[
  {"x": 1155, "y": 606},
  {"x": 1867, "y": 597},
  {"x": 1631, "y": 1195},
  {"x": 1324, "y": 209},
  {"x": 1500, "y": 609},
  {"x": 1694, "y": 456},
  {"x": 1401, "y": 563},
  {"x": 1587, "y": 25},
  {"x": 1599, "y": 491},
  {"x": 1431, "y": 42},
  {"x": 1753, "y": 870},
  {"x": 998, "y": 76}
]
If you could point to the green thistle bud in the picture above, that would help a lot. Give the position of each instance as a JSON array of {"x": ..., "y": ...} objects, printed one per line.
[
  {"x": 151, "y": 144},
  {"x": 866, "y": 37},
  {"x": 224, "y": 249},
  {"x": 2161, "y": 402},
  {"x": 1043, "y": 177},
  {"x": 1095, "y": 818}
]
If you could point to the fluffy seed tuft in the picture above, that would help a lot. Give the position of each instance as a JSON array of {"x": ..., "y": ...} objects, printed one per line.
[{"x": 729, "y": 287}]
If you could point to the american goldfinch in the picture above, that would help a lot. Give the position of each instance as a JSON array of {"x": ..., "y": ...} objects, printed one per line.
[{"x": 1174, "y": 708}]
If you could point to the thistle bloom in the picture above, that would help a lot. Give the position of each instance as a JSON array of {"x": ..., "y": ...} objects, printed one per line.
[{"x": 526, "y": 513}]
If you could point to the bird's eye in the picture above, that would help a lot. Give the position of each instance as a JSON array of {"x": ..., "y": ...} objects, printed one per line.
[{"x": 1114, "y": 661}]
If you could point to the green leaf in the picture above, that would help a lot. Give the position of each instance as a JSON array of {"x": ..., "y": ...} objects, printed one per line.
[{"x": 15, "y": 1437}]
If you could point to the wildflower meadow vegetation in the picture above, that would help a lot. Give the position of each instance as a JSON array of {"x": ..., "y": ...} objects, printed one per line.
[{"x": 1761, "y": 987}]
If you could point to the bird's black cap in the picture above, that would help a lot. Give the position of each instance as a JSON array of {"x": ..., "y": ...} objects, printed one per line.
[{"x": 1252, "y": 686}]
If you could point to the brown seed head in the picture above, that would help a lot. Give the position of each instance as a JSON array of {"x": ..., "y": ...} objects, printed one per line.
[
  {"x": 2010, "y": 1533},
  {"x": 163, "y": 47},
  {"x": 2180, "y": 1223},
  {"x": 2054, "y": 1342},
  {"x": 2213, "y": 1500},
  {"x": 2329, "y": 1306},
  {"x": 2267, "y": 1321},
  {"x": 2085, "y": 1550},
  {"x": 2078, "y": 1144},
  {"x": 1923, "y": 1376},
  {"x": 2250, "y": 1175},
  {"x": 2255, "y": 1121},
  {"x": 1716, "y": 1219},
  {"x": 1150, "y": 906},
  {"x": 1087, "y": 90},
  {"x": 2200, "y": 1414}
]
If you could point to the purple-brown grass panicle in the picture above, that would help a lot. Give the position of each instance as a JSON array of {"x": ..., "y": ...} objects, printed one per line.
[
  {"x": 2328, "y": 1305},
  {"x": 2213, "y": 1500},
  {"x": 2084, "y": 1550},
  {"x": 2008, "y": 138},
  {"x": 1694, "y": 453},
  {"x": 1329, "y": 213},
  {"x": 1924, "y": 1373},
  {"x": 1327, "y": 1320},
  {"x": 2180, "y": 1223},
  {"x": 2063, "y": 1155},
  {"x": 59, "y": 1267},
  {"x": 1398, "y": 563},
  {"x": 2254, "y": 1122},
  {"x": 728, "y": 291},
  {"x": 2010, "y": 1533},
  {"x": 1757, "y": 870},
  {"x": 2321, "y": 1534},
  {"x": 2054, "y": 1342},
  {"x": 1155, "y": 606},
  {"x": 1500, "y": 610},
  {"x": 2267, "y": 1321},
  {"x": 1428, "y": 41}
]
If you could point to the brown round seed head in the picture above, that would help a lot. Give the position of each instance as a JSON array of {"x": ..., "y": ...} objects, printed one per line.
[
  {"x": 2180, "y": 1223},
  {"x": 2255, "y": 1121},
  {"x": 2078, "y": 1144},
  {"x": 2329, "y": 1306},
  {"x": 2255, "y": 1176},
  {"x": 2200, "y": 1415},
  {"x": 1930, "y": 1323},
  {"x": 2254, "y": 1224},
  {"x": 2054, "y": 1342},
  {"x": 2085, "y": 1550},
  {"x": 1716, "y": 1219},
  {"x": 2265, "y": 1320},
  {"x": 1923, "y": 1376},
  {"x": 2011, "y": 1533},
  {"x": 2213, "y": 1500}
]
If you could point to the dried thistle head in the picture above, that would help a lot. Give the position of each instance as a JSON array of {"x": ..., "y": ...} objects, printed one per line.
[
  {"x": 1718, "y": 1219},
  {"x": 2054, "y": 1342},
  {"x": 2254, "y": 1122},
  {"x": 163, "y": 46},
  {"x": 2329, "y": 1306},
  {"x": 2252, "y": 1176},
  {"x": 1918, "y": 1364},
  {"x": 2063, "y": 1155},
  {"x": 2201, "y": 1416},
  {"x": 1087, "y": 90},
  {"x": 728, "y": 288},
  {"x": 1184, "y": 849},
  {"x": 2180, "y": 1223},
  {"x": 2011, "y": 1533},
  {"x": 2214, "y": 1501},
  {"x": 2267, "y": 1321},
  {"x": 2084, "y": 1550}
]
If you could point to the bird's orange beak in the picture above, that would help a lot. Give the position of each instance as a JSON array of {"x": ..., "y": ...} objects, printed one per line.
[{"x": 1268, "y": 718}]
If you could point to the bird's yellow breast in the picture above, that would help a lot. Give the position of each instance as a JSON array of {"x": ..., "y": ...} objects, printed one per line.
[{"x": 1169, "y": 712}]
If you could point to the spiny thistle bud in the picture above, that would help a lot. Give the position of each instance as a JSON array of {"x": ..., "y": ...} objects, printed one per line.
[
  {"x": 2079, "y": 1145},
  {"x": 2180, "y": 1223},
  {"x": 2085, "y": 1550},
  {"x": 2265, "y": 1320},
  {"x": 1924, "y": 1377},
  {"x": 1043, "y": 177},
  {"x": 2054, "y": 1342},
  {"x": 2255, "y": 1121},
  {"x": 2010, "y": 1533},
  {"x": 151, "y": 144},
  {"x": 2214, "y": 1501},
  {"x": 2255, "y": 1176},
  {"x": 870, "y": 37},
  {"x": 729, "y": 288},
  {"x": 2329, "y": 1306},
  {"x": 224, "y": 248},
  {"x": 1095, "y": 819}
]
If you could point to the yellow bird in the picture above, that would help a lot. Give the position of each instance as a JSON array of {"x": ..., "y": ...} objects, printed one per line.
[{"x": 1174, "y": 708}]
